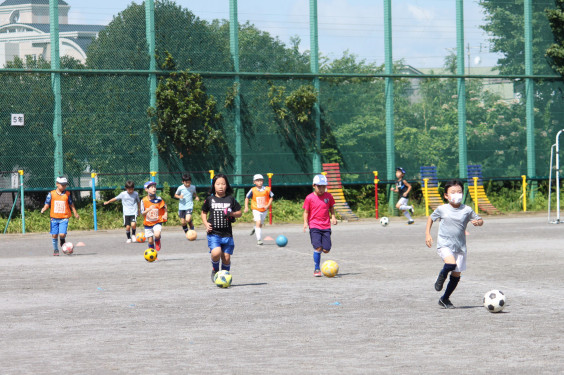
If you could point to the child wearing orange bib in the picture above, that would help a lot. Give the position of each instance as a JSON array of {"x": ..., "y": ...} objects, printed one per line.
[
  {"x": 154, "y": 211},
  {"x": 61, "y": 204},
  {"x": 261, "y": 199}
]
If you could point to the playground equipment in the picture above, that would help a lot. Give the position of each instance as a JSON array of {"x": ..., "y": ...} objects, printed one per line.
[
  {"x": 333, "y": 173},
  {"x": 477, "y": 192},
  {"x": 430, "y": 185}
]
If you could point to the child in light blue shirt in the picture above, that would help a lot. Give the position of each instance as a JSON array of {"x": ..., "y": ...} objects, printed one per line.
[{"x": 187, "y": 194}]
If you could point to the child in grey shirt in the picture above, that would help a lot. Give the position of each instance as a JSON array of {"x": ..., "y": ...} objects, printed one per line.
[{"x": 451, "y": 240}]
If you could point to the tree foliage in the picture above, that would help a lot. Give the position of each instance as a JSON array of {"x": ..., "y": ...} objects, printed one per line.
[{"x": 186, "y": 120}]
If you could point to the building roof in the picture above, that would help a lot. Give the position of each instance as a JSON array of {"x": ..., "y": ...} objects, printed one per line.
[
  {"x": 25, "y": 2},
  {"x": 64, "y": 28}
]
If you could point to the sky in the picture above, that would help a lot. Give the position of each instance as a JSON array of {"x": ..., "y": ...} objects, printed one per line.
[{"x": 424, "y": 31}]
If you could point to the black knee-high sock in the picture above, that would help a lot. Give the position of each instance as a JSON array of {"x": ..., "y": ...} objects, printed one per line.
[
  {"x": 133, "y": 232},
  {"x": 63, "y": 240},
  {"x": 128, "y": 234},
  {"x": 447, "y": 268},
  {"x": 453, "y": 282},
  {"x": 185, "y": 228}
]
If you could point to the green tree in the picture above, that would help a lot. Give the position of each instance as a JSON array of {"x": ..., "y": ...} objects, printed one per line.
[
  {"x": 505, "y": 25},
  {"x": 556, "y": 51},
  {"x": 185, "y": 121}
]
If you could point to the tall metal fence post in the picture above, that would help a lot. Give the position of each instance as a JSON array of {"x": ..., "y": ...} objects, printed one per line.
[
  {"x": 314, "y": 66},
  {"x": 530, "y": 93},
  {"x": 524, "y": 193},
  {"x": 270, "y": 208},
  {"x": 462, "y": 144},
  {"x": 21, "y": 173},
  {"x": 426, "y": 195},
  {"x": 56, "y": 86},
  {"x": 376, "y": 180},
  {"x": 93, "y": 176},
  {"x": 234, "y": 49},
  {"x": 150, "y": 33},
  {"x": 390, "y": 143}
]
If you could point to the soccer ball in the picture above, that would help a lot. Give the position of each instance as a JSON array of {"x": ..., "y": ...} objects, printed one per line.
[
  {"x": 68, "y": 248},
  {"x": 223, "y": 279},
  {"x": 494, "y": 301},
  {"x": 150, "y": 255},
  {"x": 140, "y": 237},
  {"x": 330, "y": 268},
  {"x": 384, "y": 221},
  {"x": 281, "y": 240},
  {"x": 191, "y": 235}
]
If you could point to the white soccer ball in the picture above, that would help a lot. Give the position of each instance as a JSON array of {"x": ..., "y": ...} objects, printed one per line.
[
  {"x": 494, "y": 301},
  {"x": 384, "y": 221},
  {"x": 68, "y": 248}
]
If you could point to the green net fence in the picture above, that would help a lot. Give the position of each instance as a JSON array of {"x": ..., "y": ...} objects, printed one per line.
[{"x": 105, "y": 96}]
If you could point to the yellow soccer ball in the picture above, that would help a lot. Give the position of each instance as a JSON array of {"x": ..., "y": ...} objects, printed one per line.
[
  {"x": 223, "y": 279},
  {"x": 330, "y": 268},
  {"x": 150, "y": 255}
]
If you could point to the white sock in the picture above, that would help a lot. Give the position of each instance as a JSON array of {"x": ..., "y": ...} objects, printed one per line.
[
  {"x": 405, "y": 207},
  {"x": 407, "y": 215},
  {"x": 258, "y": 233}
]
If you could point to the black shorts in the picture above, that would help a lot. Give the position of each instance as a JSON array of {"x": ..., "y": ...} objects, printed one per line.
[{"x": 128, "y": 219}]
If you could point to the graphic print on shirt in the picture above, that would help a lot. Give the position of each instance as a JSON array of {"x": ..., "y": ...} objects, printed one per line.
[{"x": 218, "y": 216}]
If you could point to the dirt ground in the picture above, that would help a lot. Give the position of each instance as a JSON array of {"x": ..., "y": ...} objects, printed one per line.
[{"x": 105, "y": 310}]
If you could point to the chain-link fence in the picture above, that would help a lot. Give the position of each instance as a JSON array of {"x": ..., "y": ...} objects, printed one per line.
[{"x": 258, "y": 80}]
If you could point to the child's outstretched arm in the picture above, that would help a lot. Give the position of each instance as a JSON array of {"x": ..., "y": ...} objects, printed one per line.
[
  {"x": 428, "y": 237},
  {"x": 246, "y": 205},
  {"x": 110, "y": 201}
]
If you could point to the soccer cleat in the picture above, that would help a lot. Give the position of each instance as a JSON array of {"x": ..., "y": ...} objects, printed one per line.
[
  {"x": 440, "y": 282},
  {"x": 56, "y": 253},
  {"x": 412, "y": 210},
  {"x": 252, "y": 232},
  {"x": 410, "y": 222},
  {"x": 317, "y": 273},
  {"x": 158, "y": 245},
  {"x": 259, "y": 242},
  {"x": 128, "y": 240},
  {"x": 446, "y": 303}
]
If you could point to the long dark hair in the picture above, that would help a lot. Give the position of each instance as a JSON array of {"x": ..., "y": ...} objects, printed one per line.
[{"x": 228, "y": 189}]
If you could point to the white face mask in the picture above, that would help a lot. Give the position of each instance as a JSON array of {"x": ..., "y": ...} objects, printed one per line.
[{"x": 455, "y": 198}]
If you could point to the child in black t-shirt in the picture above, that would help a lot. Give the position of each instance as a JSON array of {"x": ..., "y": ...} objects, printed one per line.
[{"x": 222, "y": 209}]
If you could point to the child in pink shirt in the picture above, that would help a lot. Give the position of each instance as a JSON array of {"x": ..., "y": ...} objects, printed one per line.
[{"x": 317, "y": 207}]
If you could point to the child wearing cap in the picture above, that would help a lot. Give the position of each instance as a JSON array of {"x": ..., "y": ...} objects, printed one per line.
[
  {"x": 317, "y": 207},
  {"x": 131, "y": 206},
  {"x": 187, "y": 194},
  {"x": 61, "y": 204},
  {"x": 403, "y": 188},
  {"x": 261, "y": 198},
  {"x": 154, "y": 211},
  {"x": 451, "y": 240}
]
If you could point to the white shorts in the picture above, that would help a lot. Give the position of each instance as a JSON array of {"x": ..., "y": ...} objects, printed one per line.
[
  {"x": 403, "y": 201},
  {"x": 460, "y": 258},
  {"x": 259, "y": 216},
  {"x": 150, "y": 231}
]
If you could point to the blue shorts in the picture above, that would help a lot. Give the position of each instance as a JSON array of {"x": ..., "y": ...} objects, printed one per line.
[
  {"x": 59, "y": 226},
  {"x": 226, "y": 243},
  {"x": 320, "y": 238},
  {"x": 182, "y": 213}
]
